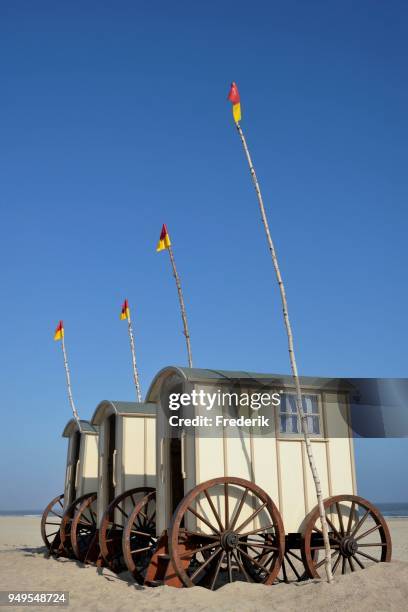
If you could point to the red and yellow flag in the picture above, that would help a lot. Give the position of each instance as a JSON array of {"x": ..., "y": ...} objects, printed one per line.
[
  {"x": 233, "y": 96},
  {"x": 125, "y": 311},
  {"x": 164, "y": 240},
  {"x": 59, "y": 332}
]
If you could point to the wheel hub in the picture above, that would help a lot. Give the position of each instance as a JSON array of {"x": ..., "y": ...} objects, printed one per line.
[
  {"x": 348, "y": 546},
  {"x": 229, "y": 540}
]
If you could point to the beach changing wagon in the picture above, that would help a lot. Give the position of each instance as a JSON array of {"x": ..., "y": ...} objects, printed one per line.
[
  {"x": 238, "y": 502},
  {"x": 126, "y": 473},
  {"x": 81, "y": 478}
]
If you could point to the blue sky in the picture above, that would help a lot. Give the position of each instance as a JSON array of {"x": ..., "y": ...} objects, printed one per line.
[{"x": 113, "y": 120}]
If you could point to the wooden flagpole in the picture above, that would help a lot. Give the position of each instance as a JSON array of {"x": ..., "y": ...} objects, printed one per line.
[
  {"x": 302, "y": 415},
  {"x": 67, "y": 373},
  {"x": 132, "y": 349},
  {"x": 182, "y": 307}
]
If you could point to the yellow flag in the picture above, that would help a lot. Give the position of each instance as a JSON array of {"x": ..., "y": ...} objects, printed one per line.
[
  {"x": 59, "y": 332},
  {"x": 125, "y": 312},
  {"x": 164, "y": 240}
]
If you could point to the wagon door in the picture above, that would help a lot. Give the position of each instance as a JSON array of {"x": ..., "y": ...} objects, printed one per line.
[
  {"x": 111, "y": 457},
  {"x": 72, "y": 468}
]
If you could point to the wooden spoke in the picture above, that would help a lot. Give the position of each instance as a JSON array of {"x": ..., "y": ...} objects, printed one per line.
[
  {"x": 238, "y": 511},
  {"x": 206, "y": 562},
  {"x": 336, "y": 563},
  {"x": 340, "y": 518},
  {"x": 363, "y": 554},
  {"x": 122, "y": 511},
  {"x": 350, "y": 519},
  {"x": 226, "y": 499},
  {"x": 217, "y": 518},
  {"x": 261, "y": 545},
  {"x": 229, "y": 566},
  {"x": 357, "y": 560},
  {"x": 360, "y": 523},
  {"x": 241, "y": 567},
  {"x": 329, "y": 522},
  {"x": 254, "y": 531},
  {"x": 292, "y": 565},
  {"x": 217, "y": 571},
  {"x": 252, "y": 560},
  {"x": 290, "y": 552},
  {"x": 143, "y": 534},
  {"x": 285, "y": 575},
  {"x": 258, "y": 554},
  {"x": 251, "y": 518},
  {"x": 324, "y": 560},
  {"x": 56, "y": 513},
  {"x": 351, "y": 564},
  {"x": 372, "y": 544},
  {"x": 363, "y": 535},
  {"x": 343, "y": 565},
  {"x": 136, "y": 551},
  {"x": 190, "y": 553},
  {"x": 201, "y": 518},
  {"x": 199, "y": 534}
]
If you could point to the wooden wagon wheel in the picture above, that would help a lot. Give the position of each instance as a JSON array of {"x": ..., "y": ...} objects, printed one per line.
[
  {"x": 359, "y": 536},
  {"x": 139, "y": 537},
  {"x": 66, "y": 524},
  {"x": 51, "y": 522},
  {"x": 110, "y": 533},
  {"x": 231, "y": 546},
  {"x": 84, "y": 530}
]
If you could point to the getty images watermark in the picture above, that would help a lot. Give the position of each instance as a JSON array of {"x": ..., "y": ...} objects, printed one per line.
[{"x": 218, "y": 400}]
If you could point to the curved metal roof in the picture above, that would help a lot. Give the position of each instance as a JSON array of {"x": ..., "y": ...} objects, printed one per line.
[
  {"x": 195, "y": 375},
  {"x": 72, "y": 426},
  {"x": 108, "y": 407}
]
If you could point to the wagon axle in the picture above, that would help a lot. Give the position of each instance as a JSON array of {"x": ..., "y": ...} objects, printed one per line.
[
  {"x": 348, "y": 546},
  {"x": 229, "y": 540}
]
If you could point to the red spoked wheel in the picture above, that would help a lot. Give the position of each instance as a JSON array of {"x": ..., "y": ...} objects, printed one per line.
[
  {"x": 359, "y": 536},
  {"x": 112, "y": 525},
  {"x": 84, "y": 531},
  {"x": 66, "y": 547},
  {"x": 51, "y": 523},
  {"x": 226, "y": 529},
  {"x": 139, "y": 537}
]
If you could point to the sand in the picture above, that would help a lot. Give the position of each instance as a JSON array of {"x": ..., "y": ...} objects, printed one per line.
[{"x": 23, "y": 565}]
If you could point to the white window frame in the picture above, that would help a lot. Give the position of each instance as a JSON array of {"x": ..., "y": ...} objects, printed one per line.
[{"x": 280, "y": 413}]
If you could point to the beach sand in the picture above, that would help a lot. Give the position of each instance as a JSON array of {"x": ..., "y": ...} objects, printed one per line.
[{"x": 24, "y": 566}]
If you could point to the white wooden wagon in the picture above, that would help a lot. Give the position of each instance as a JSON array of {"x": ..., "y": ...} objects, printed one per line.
[
  {"x": 126, "y": 473},
  {"x": 81, "y": 477},
  {"x": 237, "y": 503}
]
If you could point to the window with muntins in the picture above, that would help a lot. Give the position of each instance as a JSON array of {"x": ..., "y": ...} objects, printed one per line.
[{"x": 289, "y": 421}]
